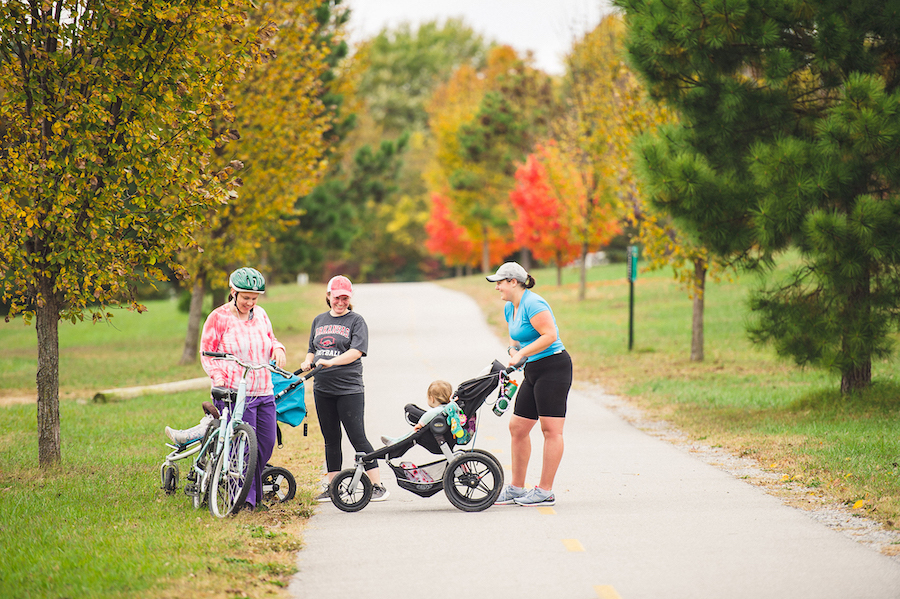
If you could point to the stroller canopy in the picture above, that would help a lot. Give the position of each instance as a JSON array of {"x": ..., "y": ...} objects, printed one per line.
[{"x": 471, "y": 393}]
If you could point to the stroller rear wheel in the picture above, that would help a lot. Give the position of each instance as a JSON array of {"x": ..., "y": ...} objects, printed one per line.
[
  {"x": 473, "y": 481},
  {"x": 344, "y": 498},
  {"x": 278, "y": 484}
]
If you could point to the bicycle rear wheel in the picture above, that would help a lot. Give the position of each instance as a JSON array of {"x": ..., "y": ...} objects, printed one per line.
[{"x": 233, "y": 473}]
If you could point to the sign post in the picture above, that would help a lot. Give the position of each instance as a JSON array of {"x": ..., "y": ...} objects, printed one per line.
[{"x": 632, "y": 275}]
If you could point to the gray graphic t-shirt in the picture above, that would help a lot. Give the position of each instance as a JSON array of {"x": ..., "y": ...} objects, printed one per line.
[{"x": 330, "y": 337}]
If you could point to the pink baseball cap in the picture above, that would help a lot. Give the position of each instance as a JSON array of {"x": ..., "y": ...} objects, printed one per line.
[{"x": 340, "y": 285}]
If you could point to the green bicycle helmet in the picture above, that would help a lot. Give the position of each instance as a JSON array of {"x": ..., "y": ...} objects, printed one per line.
[{"x": 247, "y": 279}]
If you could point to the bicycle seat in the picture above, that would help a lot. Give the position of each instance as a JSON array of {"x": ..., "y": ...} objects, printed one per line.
[
  {"x": 223, "y": 394},
  {"x": 210, "y": 409}
]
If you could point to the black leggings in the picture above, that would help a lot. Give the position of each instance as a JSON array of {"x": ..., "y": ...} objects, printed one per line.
[{"x": 334, "y": 410}]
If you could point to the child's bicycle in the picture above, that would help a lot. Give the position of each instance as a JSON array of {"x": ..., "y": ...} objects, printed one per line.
[{"x": 225, "y": 458}]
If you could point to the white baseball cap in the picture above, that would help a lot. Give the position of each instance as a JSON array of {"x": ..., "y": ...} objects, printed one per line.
[{"x": 509, "y": 270}]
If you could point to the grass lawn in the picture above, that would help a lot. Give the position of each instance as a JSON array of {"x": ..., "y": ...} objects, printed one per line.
[{"x": 99, "y": 526}]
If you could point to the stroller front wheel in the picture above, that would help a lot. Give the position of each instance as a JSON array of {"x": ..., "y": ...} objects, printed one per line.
[
  {"x": 473, "y": 481},
  {"x": 346, "y": 499}
]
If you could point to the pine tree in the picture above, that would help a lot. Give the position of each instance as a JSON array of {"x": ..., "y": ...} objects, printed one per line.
[{"x": 787, "y": 139}]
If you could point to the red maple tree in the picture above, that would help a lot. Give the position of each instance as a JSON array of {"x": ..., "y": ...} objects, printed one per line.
[
  {"x": 446, "y": 237},
  {"x": 555, "y": 218}
]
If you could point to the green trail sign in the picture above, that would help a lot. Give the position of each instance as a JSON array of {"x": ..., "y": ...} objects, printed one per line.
[{"x": 632, "y": 276}]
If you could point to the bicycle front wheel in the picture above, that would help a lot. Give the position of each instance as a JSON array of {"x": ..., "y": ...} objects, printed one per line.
[{"x": 233, "y": 473}]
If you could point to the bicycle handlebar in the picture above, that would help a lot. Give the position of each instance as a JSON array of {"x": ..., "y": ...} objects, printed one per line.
[{"x": 231, "y": 357}]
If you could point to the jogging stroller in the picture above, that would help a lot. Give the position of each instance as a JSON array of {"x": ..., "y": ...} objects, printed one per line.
[{"x": 471, "y": 478}]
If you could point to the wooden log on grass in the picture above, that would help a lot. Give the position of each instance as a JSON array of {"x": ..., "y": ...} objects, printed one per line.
[{"x": 120, "y": 394}]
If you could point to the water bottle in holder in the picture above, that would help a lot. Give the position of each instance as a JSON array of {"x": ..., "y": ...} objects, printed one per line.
[{"x": 505, "y": 399}]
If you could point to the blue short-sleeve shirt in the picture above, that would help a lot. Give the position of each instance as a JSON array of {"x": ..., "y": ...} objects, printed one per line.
[{"x": 520, "y": 328}]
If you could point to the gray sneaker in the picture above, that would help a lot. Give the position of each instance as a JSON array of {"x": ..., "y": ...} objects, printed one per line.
[
  {"x": 324, "y": 496},
  {"x": 379, "y": 493},
  {"x": 508, "y": 495},
  {"x": 536, "y": 497}
]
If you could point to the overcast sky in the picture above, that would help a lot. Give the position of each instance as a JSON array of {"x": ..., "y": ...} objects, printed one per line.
[{"x": 546, "y": 27}]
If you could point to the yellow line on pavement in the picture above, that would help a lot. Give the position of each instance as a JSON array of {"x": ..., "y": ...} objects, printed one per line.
[
  {"x": 573, "y": 545},
  {"x": 547, "y": 511},
  {"x": 605, "y": 591}
]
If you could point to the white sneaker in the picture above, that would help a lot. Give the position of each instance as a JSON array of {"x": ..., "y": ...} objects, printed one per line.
[{"x": 188, "y": 435}]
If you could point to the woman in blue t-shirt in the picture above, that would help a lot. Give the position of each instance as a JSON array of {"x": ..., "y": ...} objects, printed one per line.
[{"x": 543, "y": 394}]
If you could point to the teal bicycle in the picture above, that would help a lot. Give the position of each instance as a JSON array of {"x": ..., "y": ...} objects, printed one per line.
[{"x": 225, "y": 459}]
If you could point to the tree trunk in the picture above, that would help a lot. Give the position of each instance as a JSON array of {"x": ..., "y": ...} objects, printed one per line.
[
  {"x": 858, "y": 375},
  {"x": 485, "y": 253},
  {"x": 219, "y": 296},
  {"x": 697, "y": 322},
  {"x": 856, "y": 378},
  {"x": 525, "y": 259},
  {"x": 195, "y": 315},
  {"x": 47, "y": 327},
  {"x": 559, "y": 269},
  {"x": 582, "y": 282}
]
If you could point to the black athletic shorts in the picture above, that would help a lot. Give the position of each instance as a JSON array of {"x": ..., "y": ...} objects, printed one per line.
[{"x": 545, "y": 390}]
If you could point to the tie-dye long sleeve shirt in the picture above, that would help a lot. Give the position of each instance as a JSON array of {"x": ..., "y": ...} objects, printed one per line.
[{"x": 250, "y": 340}]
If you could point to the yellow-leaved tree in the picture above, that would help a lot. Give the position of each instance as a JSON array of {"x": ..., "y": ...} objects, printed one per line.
[
  {"x": 278, "y": 134},
  {"x": 105, "y": 110},
  {"x": 607, "y": 110}
]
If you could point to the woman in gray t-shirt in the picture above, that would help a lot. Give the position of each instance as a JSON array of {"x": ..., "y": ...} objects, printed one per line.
[{"x": 338, "y": 340}]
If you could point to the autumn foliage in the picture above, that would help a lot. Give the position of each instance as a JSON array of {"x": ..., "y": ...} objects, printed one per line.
[
  {"x": 556, "y": 219},
  {"x": 446, "y": 237}
]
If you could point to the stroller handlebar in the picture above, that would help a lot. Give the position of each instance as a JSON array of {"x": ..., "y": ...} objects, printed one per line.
[
  {"x": 309, "y": 373},
  {"x": 517, "y": 365}
]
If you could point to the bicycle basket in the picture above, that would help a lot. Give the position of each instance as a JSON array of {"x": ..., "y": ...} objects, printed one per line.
[{"x": 290, "y": 399}]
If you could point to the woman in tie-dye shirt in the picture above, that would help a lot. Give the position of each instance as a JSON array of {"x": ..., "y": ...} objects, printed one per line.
[{"x": 242, "y": 328}]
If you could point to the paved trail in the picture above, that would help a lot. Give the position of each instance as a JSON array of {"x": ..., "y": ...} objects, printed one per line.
[{"x": 635, "y": 518}]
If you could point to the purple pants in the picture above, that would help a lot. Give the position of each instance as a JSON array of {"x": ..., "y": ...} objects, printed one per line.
[{"x": 259, "y": 413}]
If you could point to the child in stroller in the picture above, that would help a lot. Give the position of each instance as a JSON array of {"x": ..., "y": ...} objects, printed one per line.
[
  {"x": 471, "y": 478},
  {"x": 439, "y": 401}
]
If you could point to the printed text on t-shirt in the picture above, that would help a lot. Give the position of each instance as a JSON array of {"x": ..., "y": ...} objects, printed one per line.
[{"x": 334, "y": 329}]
